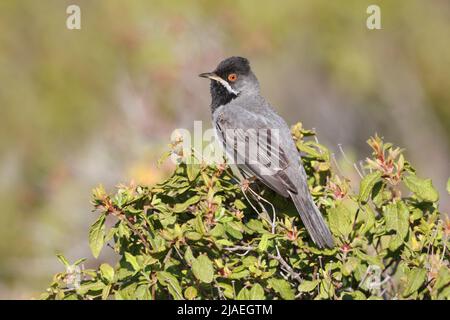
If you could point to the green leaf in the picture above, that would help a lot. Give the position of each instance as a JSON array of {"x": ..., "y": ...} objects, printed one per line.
[
  {"x": 143, "y": 293},
  {"x": 377, "y": 194},
  {"x": 283, "y": 288},
  {"x": 350, "y": 265},
  {"x": 188, "y": 256},
  {"x": 326, "y": 289},
  {"x": 105, "y": 292},
  {"x": 303, "y": 147},
  {"x": 63, "y": 260},
  {"x": 217, "y": 231},
  {"x": 441, "y": 286},
  {"x": 224, "y": 242},
  {"x": 397, "y": 218},
  {"x": 198, "y": 224},
  {"x": 367, "y": 184},
  {"x": 341, "y": 218},
  {"x": 239, "y": 274},
  {"x": 415, "y": 279},
  {"x": 239, "y": 204},
  {"x": 257, "y": 292},
  {"x": 355, "y": 295},
  {"x": 308, "y": 286},
  {"x": 97, "y": 235},
  {"x": 448, "y": 186},
  {"x": 422, "y": 188},
  {"x": 194, "y": 236},
  {"x": 371, "y": 260},
  {"x": 367, "y": 217},
  {"x": 190, "y": 293},
  {"x": 172, "y": 284},
  {"x": 90, "y": 287},
  {"x": 181, "y": 207},
  {"x": 416, "y": 214},
  {"x": 79, "y": 261},
  {"x": 232, "y": 231},
  {"x": 256, "y": 225},
  {"x": 203, "y": 269},
  {"x": 244, "y": 294},
  {"x": 132, "y": 260},
  {"x": 193, "y": 169},
  {"x": 107, "y": 272},
  {"x": 395, "y": 242},
  {"x": 71, "y": 296},
  {"x": 264, "y": 243},
  {"x": 227, "y": 290},
  {"x": 126, "y": 292}
]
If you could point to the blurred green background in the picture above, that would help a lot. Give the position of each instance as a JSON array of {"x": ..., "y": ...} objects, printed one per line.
[{"x": 98, "y": 105}]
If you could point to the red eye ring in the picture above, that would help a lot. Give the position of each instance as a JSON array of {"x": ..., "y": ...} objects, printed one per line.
[{"x": 232, "y": 77}]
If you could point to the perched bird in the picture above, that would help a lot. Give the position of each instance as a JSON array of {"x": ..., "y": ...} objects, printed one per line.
[{"x": 270, "y": 155}]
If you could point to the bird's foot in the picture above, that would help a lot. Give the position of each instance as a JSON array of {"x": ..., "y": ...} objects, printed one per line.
[{"x": 245, "y": 184}]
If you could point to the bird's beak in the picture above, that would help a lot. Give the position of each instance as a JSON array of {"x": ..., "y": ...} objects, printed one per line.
[{"x": 210, "y": 75}]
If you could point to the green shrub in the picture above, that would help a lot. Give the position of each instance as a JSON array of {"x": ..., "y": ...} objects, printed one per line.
[{"x": 197, "y": 236}]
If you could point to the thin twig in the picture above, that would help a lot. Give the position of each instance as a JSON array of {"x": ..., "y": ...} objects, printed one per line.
[
  {"x": 317, "y": 141},
  {"x": 338, "y": 167},
  {"x": 181, "y": 257},
  {"x": 240, "y": 248},
  {"x": 167, "y": 257},
  {"x": 361, "y": 166},
  {"x": 286, "y": 265},
  {"x": 221, "y": 296},
  {"x": 430, "y": 245},
  {"x": 348, "y": 161}
]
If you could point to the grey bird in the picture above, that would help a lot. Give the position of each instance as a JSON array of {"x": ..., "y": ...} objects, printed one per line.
[{"x": 238, "y": 106}]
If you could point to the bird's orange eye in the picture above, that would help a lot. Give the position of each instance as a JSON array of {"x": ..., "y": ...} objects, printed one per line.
[{"x": 232, "y": 77}]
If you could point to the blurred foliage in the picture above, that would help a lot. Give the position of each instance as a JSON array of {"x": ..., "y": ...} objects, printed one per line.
[
  {"x": 97, "y": 104},
  {"x": 195, "y": 236}
]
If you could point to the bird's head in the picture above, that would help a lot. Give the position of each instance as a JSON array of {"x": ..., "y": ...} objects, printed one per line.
[{"x": 232, "y": 77}]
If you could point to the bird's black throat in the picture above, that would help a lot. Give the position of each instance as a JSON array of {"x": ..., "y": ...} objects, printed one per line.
[{"x": 220, "y": 95}]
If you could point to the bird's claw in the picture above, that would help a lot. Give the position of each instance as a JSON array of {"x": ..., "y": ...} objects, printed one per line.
[{"x": 245, "y": 184}]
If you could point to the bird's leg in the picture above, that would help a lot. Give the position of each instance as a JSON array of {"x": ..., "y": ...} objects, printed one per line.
[
  {"x": 256, "y": 210},
  {"x": 245, "y": 186},
  {"x": 274, "y": 214}
]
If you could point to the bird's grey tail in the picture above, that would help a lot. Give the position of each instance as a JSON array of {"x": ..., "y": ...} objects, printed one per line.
[{"x": 313, "y": 220}]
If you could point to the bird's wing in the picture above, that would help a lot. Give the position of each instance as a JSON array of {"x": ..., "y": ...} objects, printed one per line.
[
  {"x": 233, "y": 126},
  {"x": 255, "y": 146}
]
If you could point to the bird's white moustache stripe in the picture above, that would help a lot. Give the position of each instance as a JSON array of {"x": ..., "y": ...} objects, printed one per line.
[{"x": 225, "y": 84}]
